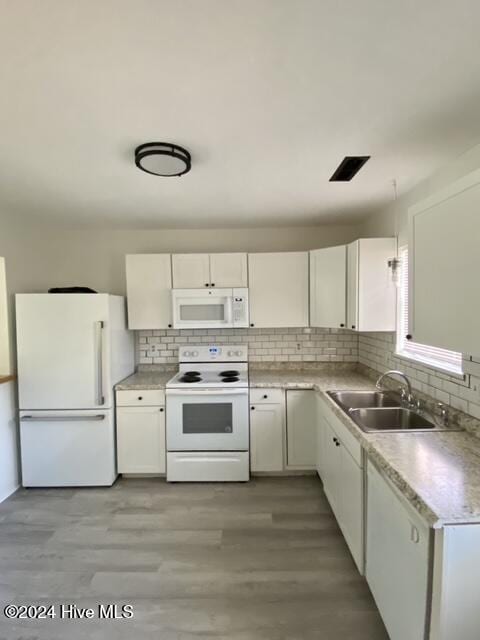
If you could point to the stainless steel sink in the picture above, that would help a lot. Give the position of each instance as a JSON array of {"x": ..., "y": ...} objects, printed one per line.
[
  {"x": 390, "y": 419},
  {"x": 364, "y": 399}
]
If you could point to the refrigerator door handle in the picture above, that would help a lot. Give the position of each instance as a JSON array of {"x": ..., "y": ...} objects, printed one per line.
[
  {"x": 61, "y": 418},
  {"x": 100, "y": 396}
]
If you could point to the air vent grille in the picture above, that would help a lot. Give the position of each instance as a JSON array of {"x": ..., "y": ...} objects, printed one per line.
[{"x": 348, "y": 168}]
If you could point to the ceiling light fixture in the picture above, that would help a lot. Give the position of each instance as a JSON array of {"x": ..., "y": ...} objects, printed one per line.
[{"x": 163, "y": 159}]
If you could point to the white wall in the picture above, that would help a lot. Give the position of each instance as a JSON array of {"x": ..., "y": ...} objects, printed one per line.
[
  {"x": 38, "y": 258},
  {"x": 393, "y": 220},
  {"x": 9, "y": 466}
]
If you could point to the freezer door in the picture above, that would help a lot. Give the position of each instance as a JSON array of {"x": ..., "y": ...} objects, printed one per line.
[
  {"x": 63, "y": 347},
  {"x": 67, "y": 448}
]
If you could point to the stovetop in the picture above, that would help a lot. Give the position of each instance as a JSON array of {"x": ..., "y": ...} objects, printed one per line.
[{"x": 211, "y": 366}]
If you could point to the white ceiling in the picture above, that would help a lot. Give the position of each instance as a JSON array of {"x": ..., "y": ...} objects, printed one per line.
[{"x": 268, "y": 95}]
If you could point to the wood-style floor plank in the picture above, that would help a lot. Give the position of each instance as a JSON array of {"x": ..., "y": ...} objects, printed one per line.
[{"x": 263, "y": 560}]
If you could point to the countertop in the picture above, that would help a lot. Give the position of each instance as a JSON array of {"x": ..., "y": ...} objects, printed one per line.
[
  {"x": 438, "y": 473},
  {"x": 145, "y": 380}
]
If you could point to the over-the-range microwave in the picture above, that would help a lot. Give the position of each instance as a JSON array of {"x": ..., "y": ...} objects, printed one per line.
[{"x": 210, "y": 309}]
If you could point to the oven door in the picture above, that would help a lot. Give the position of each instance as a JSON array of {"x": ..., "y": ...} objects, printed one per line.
[
  {"x": 207, "y": 420},
  {"x": 198, "y": 309}
]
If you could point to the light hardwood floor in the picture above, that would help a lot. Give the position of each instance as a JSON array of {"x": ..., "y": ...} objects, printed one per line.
[{"x": 258, "y": 561}]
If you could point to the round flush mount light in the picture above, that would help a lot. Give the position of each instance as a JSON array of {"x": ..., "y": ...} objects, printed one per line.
[{"x": 163, "y": 159}]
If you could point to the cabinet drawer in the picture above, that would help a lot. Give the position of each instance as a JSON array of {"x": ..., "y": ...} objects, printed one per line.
[
  {"x": 270, "y": 396},
  {"x": 141, "y": 397},
  {"x": 343, "y": 434}
]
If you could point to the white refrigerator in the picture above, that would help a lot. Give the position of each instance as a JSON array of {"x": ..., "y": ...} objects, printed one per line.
[{"x": 71, "y": 349}]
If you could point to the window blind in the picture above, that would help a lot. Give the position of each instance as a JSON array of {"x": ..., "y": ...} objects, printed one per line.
[{"x": 433, "y": 356}]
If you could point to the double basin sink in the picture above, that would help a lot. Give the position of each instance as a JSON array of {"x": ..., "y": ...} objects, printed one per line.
[{"x": 381, "y": 411}]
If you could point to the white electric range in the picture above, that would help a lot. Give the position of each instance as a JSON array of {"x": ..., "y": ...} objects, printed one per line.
[{"x": 208, "y": 416}]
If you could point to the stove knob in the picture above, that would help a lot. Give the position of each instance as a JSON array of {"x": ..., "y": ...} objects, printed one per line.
[
  {"x": 238, "y": 353},
  {"x": 194, "y": 354},
  {"x": 187, "y": 354},
  {"x": 230, "y": 354}
]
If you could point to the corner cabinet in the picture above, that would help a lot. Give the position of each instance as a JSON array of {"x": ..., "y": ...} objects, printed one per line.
[
  {"x": 278, "y": 289},
  {"x": 443, "y": 267},
  {"x": 301, "y": 439},
  {"x": 328, "y": 277},
  {"x": 149, "y": 286},
  {"x": 196, "y": 270},
  {"x": 141, "y": 431},
  {"x": 371, "y": 294}
]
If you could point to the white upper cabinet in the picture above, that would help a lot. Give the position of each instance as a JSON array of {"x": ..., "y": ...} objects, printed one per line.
[
  {"x": 228, "y": 269},
  {"x": 371, "y": 294},
  {"x": 443, "y": 268},
  {"x": 194, "y": 270},
  {"x": 278, "y": 289},
  {"x": 328, "y": 299},
  {"x": 149, "y": 285},
  {"x": 191, "y": 270}
]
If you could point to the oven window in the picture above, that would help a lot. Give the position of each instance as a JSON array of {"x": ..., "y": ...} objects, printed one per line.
[
  {"x": 207, "y": 418},
  {"x": 203, "y": 312}
]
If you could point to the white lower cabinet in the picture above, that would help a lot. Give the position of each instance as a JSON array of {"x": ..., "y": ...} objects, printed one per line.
[
  {"x": 397, "y": 565},
  {"x": 267, "y": 430},
  {"x": 343, "y": 486},
  {"x": 140, "y": 437},
  {"x": 301, "y": 436}
]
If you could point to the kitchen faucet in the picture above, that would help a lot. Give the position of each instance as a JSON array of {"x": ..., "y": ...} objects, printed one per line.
[{"x": 400, "y": 374}]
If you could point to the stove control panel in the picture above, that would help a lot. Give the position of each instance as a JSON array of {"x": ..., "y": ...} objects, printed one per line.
[{"x": 213, "y": 353}]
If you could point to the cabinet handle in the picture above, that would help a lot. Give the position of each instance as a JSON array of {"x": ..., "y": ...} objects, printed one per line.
[
  {"x": 265, "y": 397},
  {"x": 206, "y": 284},
  {"x": 342, "y": 324},
  {"x": 252, "y": 408},
  {"x": 353, "y": 326},
  {"x": 169, "y": 326},
  {"x": 414, "y": 534},
  {"x": 251, "y": 324},
  {"x": 409, "y": 336},
  {"x": 213, "y": 284},
  {"x": 140, "y": 397},
  {"x": 162, "y": 409},
  {"x": 337, "y": 442}
]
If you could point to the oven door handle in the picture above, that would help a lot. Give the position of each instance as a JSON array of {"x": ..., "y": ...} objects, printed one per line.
[{"x": 207, "y": 392}]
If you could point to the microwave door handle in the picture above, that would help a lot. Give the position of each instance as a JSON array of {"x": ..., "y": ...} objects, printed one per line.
[{"x": 229, "y": 306}]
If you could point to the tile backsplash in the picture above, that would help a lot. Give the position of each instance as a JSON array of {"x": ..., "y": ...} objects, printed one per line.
[
  {"x": 264, "y": 345},
  {"x": 377, "y": 351}
]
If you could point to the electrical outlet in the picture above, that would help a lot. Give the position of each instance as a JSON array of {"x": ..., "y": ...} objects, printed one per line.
[
  {"x": 475, "y": 386},
  {"x": 153, "y": 350}
]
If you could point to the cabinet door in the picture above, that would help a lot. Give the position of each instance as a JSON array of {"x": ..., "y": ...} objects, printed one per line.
[
  {"x": 228, "y": 269},
  {"x": 141, "y": 439},
  {"x": 332, "y": 469},
  {"x": 149, "y": 284},
  {"x": 351, "y": 500},
  {"x": 266, "y": 437},
  {"x": 352, "y": 285},
  {"x": 301, "y": 436},
  {"x": 376, "y": 296},
  {"x": 328, "y": 281},
  {"x": 278, "y": 289},
  {"x": 444, "y": 267},
  {"x": 397, "y": 560},
  {"x": 191, "y": 270}
]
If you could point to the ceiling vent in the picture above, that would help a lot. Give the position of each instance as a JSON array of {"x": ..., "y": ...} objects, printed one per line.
[{"x": 348, "y": 168}]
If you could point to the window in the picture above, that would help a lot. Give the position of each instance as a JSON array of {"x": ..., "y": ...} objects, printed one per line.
[{"x": 450, "y": 361}]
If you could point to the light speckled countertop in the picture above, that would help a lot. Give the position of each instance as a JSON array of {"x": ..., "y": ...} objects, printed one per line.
[
  {"x": 438, "y": 473},
  {"x": 145, "y": 380}
]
